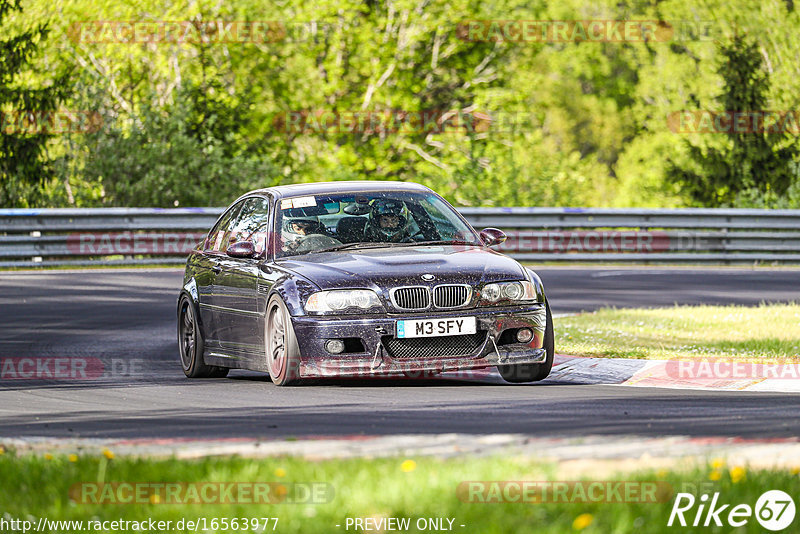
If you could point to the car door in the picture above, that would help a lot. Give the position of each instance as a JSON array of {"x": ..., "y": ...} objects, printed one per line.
[
  {"x": 210, "y": 264},
  {"x": 240, "y": 308}
]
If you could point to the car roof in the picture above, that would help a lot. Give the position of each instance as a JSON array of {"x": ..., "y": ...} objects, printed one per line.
[{"x": 349, "y": 186}]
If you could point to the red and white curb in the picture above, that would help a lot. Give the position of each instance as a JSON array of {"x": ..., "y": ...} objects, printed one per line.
[{"x": 706, "y": 374}]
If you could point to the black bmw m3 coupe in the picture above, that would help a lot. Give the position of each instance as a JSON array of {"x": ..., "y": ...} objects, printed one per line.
[{"x": 358, "y": 279}]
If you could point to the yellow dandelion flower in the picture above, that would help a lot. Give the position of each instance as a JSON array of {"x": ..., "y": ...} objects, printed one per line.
[
  {"x": 718, "y": 463},
  {"x": 280, "y": 472},
  {"x": 582, "y": 521},
  {"x": 155, "y": 498},
  {"x": 108, "y": 454},
  {"x": 281, "y": 491},
  {"x": 72, "y": 457},
  {"x": 662, "y": 473},
  {"x": 737, "y": 474},
  {"x": 48, "y": 456},
  {"x": 795, "y": 470},
  {"x": 408, "y": 466},
  {"x": 714, "y": 475}
]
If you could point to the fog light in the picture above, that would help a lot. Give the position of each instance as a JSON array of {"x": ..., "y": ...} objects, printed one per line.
[
  {"x": 524, "y": 335},
  {"x": 334, "y": 346}
]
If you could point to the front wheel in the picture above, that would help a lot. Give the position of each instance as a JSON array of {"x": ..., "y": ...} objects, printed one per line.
[
  {"x": 282, "y": 351},
  {"x": 190, "y": 344},
  {"x": 533, "y": 372}
]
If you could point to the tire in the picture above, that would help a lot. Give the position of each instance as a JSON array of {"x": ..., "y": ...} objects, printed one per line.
[
  {"x": 533, "y": 372},
  {"x": 190, "y": 344},
  {"x": 280, "y": 345}
]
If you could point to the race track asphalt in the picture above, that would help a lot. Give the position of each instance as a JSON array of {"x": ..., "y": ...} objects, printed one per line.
[{"x": 126, "y": 320}]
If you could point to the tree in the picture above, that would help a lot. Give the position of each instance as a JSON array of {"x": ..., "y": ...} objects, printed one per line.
[
  {"x": 24, "y": 165},
  {"x": 169, "y": 157},
  {"x": 749, "y": 159}
]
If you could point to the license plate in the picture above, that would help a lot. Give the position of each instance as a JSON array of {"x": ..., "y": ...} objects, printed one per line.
[{"x": 452, "y": 326}]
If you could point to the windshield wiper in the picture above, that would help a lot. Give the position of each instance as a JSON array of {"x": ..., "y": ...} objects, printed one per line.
[
  {"x": 358, "y": 244},
  {"x": 372, "y": 244}
]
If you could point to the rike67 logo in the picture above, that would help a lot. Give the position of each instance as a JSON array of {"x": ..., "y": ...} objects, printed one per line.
[{"x": 774, "y": 510}]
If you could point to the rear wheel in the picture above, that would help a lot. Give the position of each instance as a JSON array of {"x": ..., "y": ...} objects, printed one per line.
[
  {"x": 533, "y": 372},
  {"x": 282, "y": 351},
  {"x": 190, "y": 344}
]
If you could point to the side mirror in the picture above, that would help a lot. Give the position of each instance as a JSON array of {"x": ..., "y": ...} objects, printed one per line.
[
  {"x": 242, "y": 249},
  {"x": 493, "y": 236}
]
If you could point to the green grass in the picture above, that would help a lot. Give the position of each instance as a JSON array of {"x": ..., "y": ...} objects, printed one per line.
[
  {"x": 763, "y": 333},
  {"x": 36, "y": 487}
]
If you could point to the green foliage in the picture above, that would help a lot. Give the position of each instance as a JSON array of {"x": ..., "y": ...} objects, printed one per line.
[
  {"x": 591, "y": 126},
  {"x": 173, "y": 157},
  {"x": 24, "y": 165},
  {"x": 757, "y": 161},
  {"x": 756, "y": 198}
]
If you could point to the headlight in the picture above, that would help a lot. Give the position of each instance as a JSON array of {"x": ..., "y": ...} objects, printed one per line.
[
  {"x": 343, "y": 300},
  {"x": 522, "y": 291}
]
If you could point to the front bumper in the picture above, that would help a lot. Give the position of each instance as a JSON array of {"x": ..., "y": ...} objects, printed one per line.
[{"x": 374, "y": 330}]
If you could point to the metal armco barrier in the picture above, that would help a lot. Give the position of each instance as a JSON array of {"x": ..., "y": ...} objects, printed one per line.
[{"x": 150, "y": 236}]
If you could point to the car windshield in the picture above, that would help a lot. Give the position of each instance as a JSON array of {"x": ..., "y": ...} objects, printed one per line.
[{"x": 317, "y": 223}]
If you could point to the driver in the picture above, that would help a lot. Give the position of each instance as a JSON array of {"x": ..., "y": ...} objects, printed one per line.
[
  {"x": 388, "y": 222},
  {"x": 296, "y": 229}
]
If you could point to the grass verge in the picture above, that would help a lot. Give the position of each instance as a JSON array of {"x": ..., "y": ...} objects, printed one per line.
[
  {"x": 39, "y": 487},
  {"x": 763, "y": 333}
]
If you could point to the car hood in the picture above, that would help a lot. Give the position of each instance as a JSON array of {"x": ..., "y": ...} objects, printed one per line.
[{"x": 391, "y": 267}]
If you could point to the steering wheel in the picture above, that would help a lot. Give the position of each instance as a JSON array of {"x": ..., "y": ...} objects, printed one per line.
[{"x": 314, "y": 242}]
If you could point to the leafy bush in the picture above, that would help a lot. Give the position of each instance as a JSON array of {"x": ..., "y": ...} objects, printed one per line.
[{"x": 157, "y": 161}]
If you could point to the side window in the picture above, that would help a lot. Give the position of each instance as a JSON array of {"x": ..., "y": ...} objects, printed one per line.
[
  {"x": 218, "y": 235},
  {"x": 252, "y": 224}
]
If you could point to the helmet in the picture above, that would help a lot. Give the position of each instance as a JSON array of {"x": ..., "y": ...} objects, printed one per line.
[
  {"x": 311, "y": 224},
  {"x": 390, "y": 208}
]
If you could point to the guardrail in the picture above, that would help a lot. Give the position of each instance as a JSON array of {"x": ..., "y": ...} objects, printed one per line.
[{"x": 144, "y": 236}]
